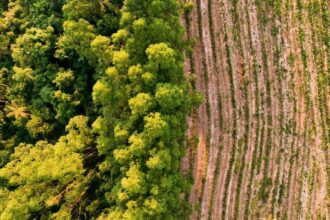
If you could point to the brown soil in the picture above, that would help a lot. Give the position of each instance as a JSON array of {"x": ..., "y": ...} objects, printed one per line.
[{"x": 272, "y": 132}]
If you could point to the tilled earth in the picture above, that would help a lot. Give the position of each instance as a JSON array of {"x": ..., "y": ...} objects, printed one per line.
[{"x": 259, "y": 144}]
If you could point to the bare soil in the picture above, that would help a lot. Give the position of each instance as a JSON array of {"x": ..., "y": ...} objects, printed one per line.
[{"x": 283, "y": 129}]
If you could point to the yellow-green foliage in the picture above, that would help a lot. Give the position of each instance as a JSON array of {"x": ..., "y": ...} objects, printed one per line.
[
  {"x": 44, "y": 174},
  {"x": 114, "y": 65}
]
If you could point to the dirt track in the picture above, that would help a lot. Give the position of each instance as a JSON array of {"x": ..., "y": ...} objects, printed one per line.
[{"x": 263, "y": 130}]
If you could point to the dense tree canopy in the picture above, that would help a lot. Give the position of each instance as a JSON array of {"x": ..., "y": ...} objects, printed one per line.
[{"x": 93, "y": 107}]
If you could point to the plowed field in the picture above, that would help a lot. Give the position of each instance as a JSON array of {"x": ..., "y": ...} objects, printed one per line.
[{"x": 259, "y": 143}]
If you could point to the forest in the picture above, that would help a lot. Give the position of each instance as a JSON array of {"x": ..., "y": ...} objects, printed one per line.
[
  {"x": 93, "y": 109},
  {"x": 164, "y": 109}
]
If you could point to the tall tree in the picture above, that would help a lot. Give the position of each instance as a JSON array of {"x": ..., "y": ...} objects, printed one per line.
[
  {"x": 93, "y": 107},
  {"x": 143, "y": 143}
]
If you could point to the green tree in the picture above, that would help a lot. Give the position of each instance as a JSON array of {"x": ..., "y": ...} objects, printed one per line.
[
  {"x": 169, "y": 96},
  {"x": 144, "y": 139},
  {"x": 47, "y": 175},
  {"x": 117, "y": 64},
  {"x": 86, "y": 9},
  {"x": 16, "y": 111},
  {"x": 141, "y": 104},
  {"x": 77, "y": 37},
  {"x": 32, "y": 49}
]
